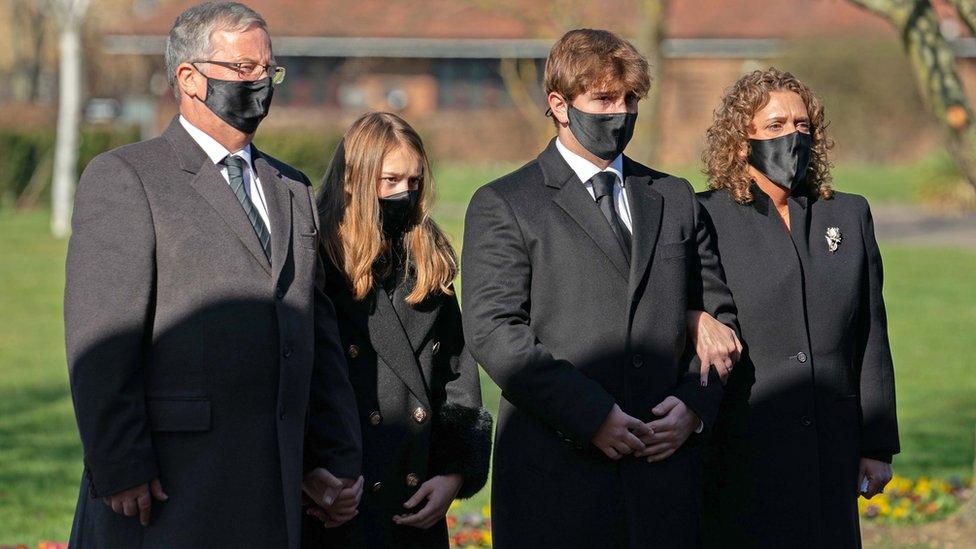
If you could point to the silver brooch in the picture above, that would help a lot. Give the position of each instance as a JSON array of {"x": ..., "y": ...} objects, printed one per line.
[{"x": 833, "y": 238}]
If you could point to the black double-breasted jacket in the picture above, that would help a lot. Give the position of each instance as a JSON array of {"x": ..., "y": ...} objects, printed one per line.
[{"x": 419, "y": 400}]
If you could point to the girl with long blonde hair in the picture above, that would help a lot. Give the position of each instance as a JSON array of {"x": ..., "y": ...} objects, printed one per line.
[{"x": 426, "y": 436}]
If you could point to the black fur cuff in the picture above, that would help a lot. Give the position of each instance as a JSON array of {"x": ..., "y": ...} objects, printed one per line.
[{"x": 461, "y": 443}]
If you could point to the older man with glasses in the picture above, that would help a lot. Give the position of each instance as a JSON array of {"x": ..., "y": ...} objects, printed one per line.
[{"x": 207, "y": 377}]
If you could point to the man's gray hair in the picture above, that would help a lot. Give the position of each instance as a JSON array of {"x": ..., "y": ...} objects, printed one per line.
[{"x": 189, "y": 39}]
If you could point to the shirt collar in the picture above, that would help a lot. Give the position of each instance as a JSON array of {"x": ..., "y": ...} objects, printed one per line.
[
  {"x": 214, "y": 150},
  {"x": 585, "y": 169}
]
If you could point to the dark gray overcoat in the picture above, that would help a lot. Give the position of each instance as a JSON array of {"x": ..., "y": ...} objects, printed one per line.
[{"x": 193, "y": 358}]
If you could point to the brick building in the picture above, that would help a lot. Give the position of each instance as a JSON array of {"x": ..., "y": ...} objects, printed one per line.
[{"x": 440, "y": 62}]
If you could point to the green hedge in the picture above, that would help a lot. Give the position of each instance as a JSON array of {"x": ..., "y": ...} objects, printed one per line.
[
  {"x": 307, "y": 151},
  {"x": 30, "y": 152}
]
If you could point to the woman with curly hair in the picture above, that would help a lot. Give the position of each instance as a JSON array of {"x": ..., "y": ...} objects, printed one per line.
[
  {"x": 808, "y": 418},
  {"x": 426, "y": 436}
]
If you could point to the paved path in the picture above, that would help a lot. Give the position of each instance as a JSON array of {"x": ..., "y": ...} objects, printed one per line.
[{"x": 906, "y": 224}]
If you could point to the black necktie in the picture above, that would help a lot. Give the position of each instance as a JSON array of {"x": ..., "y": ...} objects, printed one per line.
[
  {"x": 603, "y": 192},
  {"x": 235, "y": 174}
]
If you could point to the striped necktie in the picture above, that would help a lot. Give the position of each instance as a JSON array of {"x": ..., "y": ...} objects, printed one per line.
[{"x": 235, "y": 174}]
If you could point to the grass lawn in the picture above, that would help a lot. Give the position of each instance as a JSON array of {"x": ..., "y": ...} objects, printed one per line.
[{"x": 931, "y": 307}]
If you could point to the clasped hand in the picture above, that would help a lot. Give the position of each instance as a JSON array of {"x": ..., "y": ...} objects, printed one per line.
[
  {"x": 622, "y": 434},
  {"x": 336, "y": 499}
]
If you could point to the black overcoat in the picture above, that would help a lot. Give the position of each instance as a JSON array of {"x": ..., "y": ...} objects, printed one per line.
[
  {"x": 193, "y": 358},
  {"x": 567, "y": 327},
  {"x": 419, "y": 399},
  {"x": 815, "y": 389}
]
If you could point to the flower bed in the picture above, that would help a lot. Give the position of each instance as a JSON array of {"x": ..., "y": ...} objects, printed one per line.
[
  {"x": 469, "y": 531},
  {"x": 905, "y": 501}
]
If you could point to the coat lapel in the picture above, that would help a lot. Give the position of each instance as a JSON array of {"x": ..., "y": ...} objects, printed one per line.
[
  {"x": 377, "y": 320},
  {"x": 646, "y": 208},
  {"x": 212, "y": 186},
  {"x": 279, "y": 199},
  {"x": 575, "y": 201},
  {"x": 418, "y": 320}
]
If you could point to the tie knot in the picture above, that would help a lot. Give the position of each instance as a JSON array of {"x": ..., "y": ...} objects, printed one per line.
[
  {"x": 232, "y": 161},
  {"x": 603, "y": 184}
]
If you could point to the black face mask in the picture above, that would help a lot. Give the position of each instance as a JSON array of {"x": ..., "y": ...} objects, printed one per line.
[
  {"x": 241, "y": 103},
  {"x": 396, "y": 211},
  {"x": 604, "y": 135},
  {"x": 784, "y": 160}
]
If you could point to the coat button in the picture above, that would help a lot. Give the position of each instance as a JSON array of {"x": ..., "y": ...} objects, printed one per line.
[
  {"x": 638, "y": 361},
  {"x": 353, "y": 351},
  {"x": 436, "y": 347},
  {"x": 286, "y": 351},
  {"x": 377, "y": 486},
  {"x": 413, "y": 480},
  {"x": 801, "y": 356},
  {"x": 375, "y": 418},
  {"x": 279, "y": 292},
  {"x": 420, "y": 415},
  {"x": 806, "y": 421}
]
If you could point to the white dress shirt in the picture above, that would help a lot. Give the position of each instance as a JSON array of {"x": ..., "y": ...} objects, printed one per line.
[
  {"x": 585, "y": 170},
  {"x": 217, "y": 152}
]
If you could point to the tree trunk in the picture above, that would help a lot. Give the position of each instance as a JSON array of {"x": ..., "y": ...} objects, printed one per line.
[
  {"x": 69, "y": 118},
  {"x": 934, "y": 65},
  {"x": 647, "y": 137},
  {"x": 521, "y": 81}
]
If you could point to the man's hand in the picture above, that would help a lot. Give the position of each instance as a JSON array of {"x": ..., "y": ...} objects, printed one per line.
[
  {"x": 137, "y": 500},
  {"x": 668, "y": 433},
  {"x": 344, "y": 504},
  {"x": 439, "y": 492},
  {"x": 878, "y": 475},
  {"x": 621, "y": 434},
  {"x": 323, "y": 487},
  {"x": 715, "y": 343}
]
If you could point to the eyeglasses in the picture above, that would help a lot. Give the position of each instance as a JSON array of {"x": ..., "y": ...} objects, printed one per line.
[{"x": 251, "y": 71}]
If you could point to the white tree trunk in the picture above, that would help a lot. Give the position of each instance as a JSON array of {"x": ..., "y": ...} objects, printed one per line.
[{"x": 70, "y": 94}]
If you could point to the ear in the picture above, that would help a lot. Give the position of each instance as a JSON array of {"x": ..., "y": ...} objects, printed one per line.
[
  {"x": 558, "y": 105},
  {"x": 190, "y": 82}
]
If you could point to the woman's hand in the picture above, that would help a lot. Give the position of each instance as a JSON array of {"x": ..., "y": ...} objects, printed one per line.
[
  {"x": 715, "y": 343},
  {"x": 439, "y": 492},
  {"x": 876, "y": 473}
]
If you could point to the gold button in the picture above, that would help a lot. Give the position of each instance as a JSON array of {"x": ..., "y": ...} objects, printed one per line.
[
  {"x": 413, "y": 480},
  {"x": 420, "y": 415},
  {"x": 353, "y": 351},
  {"x": 375, "y": 418},
  {"x": 436, "y": 347},
  {"x": 377, "y": 486}
]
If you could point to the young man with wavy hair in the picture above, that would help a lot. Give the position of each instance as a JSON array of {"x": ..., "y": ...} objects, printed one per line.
[{"x": 581, "y": 274}]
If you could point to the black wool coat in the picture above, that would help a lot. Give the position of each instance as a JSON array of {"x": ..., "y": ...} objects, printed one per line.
[
  {"x": 814, "y": 391},
  {"x": 566, "y": 327},
  {"x": 419, "y": 399}
]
